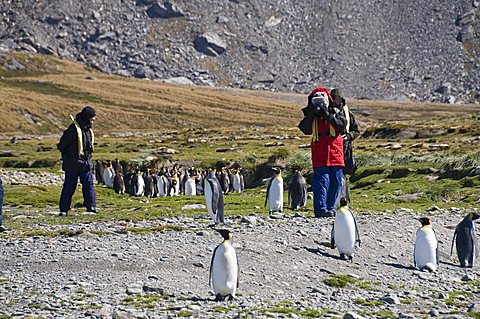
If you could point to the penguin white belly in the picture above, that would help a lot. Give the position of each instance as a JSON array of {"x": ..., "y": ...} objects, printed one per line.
[
  {"x": 426, "y": 249},
  {"x": 344, "y": 232},
  {"x": 236, "y": 184},
  {"x": 225, "y": 270},
  {"x": 161, "y": 184},
  {"x": 190, "y": 187},
  {"x": 275, "y": 195},
  {"x": 140, "y": 186},
  {"x": 108, "y": 177},
  {"x": 208, "y": 199}
]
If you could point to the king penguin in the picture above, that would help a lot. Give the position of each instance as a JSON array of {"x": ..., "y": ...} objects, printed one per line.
[
  {"x": 237, "y": 182},
  {"x": 99, "y": 171},
  {"x": 163, "y": 185},
  {"x": 466, "y": 241},
  {"x": 138, "y": 184},
  {"x": 214, "y": 197},
  {"x": 297, "y": 191},
  {"x": 224, "y": 268},
  {"x": 190, "y": 187},
  {"x": 275, "y": 192},
  {"x": 426, "y": 246},
  {"x": 345, "y": 233},
  {"x": 119, "y": 184},
  {"x": 108, "y": 175}
]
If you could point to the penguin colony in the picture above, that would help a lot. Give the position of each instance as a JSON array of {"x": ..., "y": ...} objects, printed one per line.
[
  {"x": 141, "y": 180},
  {"x": 224, "y": 267}
]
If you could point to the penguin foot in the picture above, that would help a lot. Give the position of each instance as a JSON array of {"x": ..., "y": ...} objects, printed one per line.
[
  {"x": 342, "y": 256},
  {"x": 219, "y": 297},
  {"x": 230, "y": 297}
]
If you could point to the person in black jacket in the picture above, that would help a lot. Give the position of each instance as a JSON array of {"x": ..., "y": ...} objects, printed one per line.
[
  {"x": 76, "y": 147},
  {"x": 351, "y": 132}
]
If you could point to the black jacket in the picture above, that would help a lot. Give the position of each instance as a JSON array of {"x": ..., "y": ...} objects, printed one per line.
[{"x": 68, "y": 146}]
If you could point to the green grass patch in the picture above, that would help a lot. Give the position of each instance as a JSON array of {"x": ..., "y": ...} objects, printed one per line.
[
  {"x": 307, "y": 312},
  {"x": 368, "y": 303},
  {"x": 452, "y": 298},
  {"x": 381, "y": 314},
  {"x": 144, "y": 301},
  {"x": 184, "y": 313},
  {"x": 339, "y": 281}
]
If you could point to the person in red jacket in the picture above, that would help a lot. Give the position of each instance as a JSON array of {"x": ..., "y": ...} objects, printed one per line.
[{"x": 326, "y": 124}]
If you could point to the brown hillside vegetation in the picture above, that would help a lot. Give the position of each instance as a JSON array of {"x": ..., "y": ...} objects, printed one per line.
[{"x": 40, "y": 98}]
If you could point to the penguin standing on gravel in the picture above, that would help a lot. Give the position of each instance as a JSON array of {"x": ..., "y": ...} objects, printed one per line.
[
  {"x": 426, "y": 246},
  {"x": 297, "y": 191},
  {"x": 274, "y": 195},
  {"x": 345, "y": 233},
  {"x": 224, "y": 268},
  {"x": 214, "y": 197},
  {"x": 466, "y": 241}
]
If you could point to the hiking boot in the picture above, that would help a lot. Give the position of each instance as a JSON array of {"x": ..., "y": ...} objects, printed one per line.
[
  {"x": 325, "y": 214},
  {"x": 62, "y": 214}
]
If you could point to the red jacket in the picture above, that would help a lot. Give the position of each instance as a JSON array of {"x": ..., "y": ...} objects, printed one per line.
[{"x": 327, "y": 142}]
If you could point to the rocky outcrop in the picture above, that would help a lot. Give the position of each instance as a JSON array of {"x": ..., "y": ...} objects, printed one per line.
[{"x": 375, "y": 50}]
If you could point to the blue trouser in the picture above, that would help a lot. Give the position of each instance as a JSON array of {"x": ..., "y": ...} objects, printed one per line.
[
  {"x": 2, "y": 192},
  {"x": 326, "y": 184},
  {"x": 70, "y": 185}
]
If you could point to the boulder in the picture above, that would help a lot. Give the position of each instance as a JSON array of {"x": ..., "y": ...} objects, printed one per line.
[{"x": 210, "y": 43}]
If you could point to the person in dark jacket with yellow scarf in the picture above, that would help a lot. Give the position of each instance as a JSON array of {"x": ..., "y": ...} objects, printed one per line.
[{"x": 76, "y": 147}]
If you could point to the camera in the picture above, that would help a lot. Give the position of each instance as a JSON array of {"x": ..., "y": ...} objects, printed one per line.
[{"x": 319, "y": 106}]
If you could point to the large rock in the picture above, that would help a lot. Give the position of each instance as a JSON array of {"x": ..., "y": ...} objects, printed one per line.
[
  {"x": 210, "y": 43},
  {"x": 165, "y": 10}
]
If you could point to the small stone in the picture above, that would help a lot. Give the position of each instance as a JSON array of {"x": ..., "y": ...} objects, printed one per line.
[
  {"x": 467, "y": 277},
  {"x": 352, "y": 315},
  {"x": 391, "y": 299},
  {"x": 134, "y": 290},
  {"x": 434, "y": 312}
]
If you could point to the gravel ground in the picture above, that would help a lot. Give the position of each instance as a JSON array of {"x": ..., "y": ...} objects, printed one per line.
[{"x": 283, "y": 264}]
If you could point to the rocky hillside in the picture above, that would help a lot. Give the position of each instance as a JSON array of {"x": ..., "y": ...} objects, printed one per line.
[{"x": 398, "y": 50}]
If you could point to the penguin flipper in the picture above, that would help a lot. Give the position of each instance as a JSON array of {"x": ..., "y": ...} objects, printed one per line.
[
  {"x": 453, "y": 240},
  {"x": 211, "y": 266},
  {"x": 414, "y": 260},
  {"x": 268, "y": 190},
  {"x": 357, "y": 233},
  {"x": 220, "y": 209},
  {"x": 332, "y": 239},
  {"x": 475, "y": 242},
  {"x": 437, "y": 251},
  {"x": 238, "y": 270}
]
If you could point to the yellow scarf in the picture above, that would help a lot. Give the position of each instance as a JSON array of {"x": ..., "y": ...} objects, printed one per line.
[
  {"x": 80, "y": 136},
  {"x": 315, "y": 135}
]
